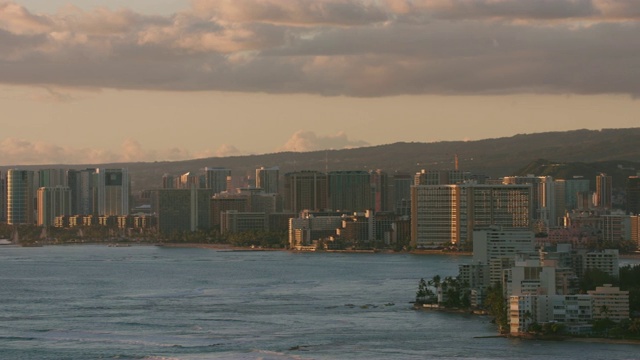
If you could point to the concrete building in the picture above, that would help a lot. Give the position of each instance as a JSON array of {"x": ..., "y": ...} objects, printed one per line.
[
  {"x": 498, "y": 247},
  {"x": 442, "y": 214},
  {"x": 350, "y": 191},
  {"x": 440, "y": 177},
  {"x": 633, "y": 195},
  {"x": 268, "y": 179},
  {"x": 3, "y": 197},
  {"x": 232, "y": 221},
  {"x": 215, "y": 179},
  {"x": 604, "y": 187},
  {"x": 610, "y": 302},
  {"x": 570, "y": 310},
  {"x": 20, "y": 197},
  {"x": 307, "y": 228},
  {"x": 615, "y": 228},
  {"x": 53, "y": 202},
  {"x": 223, "y": 202},
  {"x": 305, "y": 190},
  {"x": 52, "y": 178},
  {"x": 402, "y": 194},
  {"x": 606, "y": 260},
  {"x": 380, "y": 189},
  {"x": 573, "y": 188},
  {"x": 181, "y": 210},
  {"x": 84, "y": 191},
  {"x": 113, "y": 190},
  {"x": 542, "y": 196}
]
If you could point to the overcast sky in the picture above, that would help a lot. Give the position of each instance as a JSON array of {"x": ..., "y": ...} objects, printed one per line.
[{"x": 84, "y": 81}]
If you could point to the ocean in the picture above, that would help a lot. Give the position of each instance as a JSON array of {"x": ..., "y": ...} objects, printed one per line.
[{"x": 146, "y": 302}]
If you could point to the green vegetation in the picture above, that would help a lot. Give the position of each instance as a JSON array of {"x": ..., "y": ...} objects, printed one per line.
[
  {"x": 629, "y": 280},
  {"x": 497, "y": 307},
  {"x": 454, "y": 294}
]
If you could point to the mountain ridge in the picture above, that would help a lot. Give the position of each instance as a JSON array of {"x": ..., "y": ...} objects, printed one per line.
[{"x": 492, "y": 157}]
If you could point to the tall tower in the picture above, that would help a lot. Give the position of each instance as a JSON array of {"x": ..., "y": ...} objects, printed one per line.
[
  {"x": 20, "y": 196},
  {"x": 305, "y": 190},
  {"x": 450, "y": 213},
  {"x": 84, "y": 191},
  {"x": 216, "y": 179},
  {"x": 113, "y": 192},
  {"x": 52, "y": 178},
  {"x": 380, "y": 190},
  {"x": 3, "y": 198},
  {"x": 350, "y": 191},
  {"x": 603, "y": 191},
  {"x": 52, "y": 202},
  {"x": 633, "y": 195},
  {"x": 267, "y": 179},
  {"x": 402, "y": 194}
]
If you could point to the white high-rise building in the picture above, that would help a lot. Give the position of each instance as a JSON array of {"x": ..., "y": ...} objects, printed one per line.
[{"x": 443, "y": 214}]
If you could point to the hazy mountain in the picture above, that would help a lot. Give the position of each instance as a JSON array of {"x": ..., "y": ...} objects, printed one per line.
[{"x": 493, "y": 157}]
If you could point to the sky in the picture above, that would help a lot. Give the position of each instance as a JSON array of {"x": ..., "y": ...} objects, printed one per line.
[{"x": 97, "y": 81}]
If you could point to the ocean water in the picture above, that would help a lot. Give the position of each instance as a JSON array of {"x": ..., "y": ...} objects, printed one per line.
[{"x": 98, "y": 302}]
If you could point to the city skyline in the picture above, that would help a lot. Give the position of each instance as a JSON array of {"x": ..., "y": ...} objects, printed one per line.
[{"x": 105, "y": 81}]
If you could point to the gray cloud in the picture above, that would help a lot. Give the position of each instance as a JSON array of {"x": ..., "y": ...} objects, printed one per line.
[{"x": 333, "y": 47}]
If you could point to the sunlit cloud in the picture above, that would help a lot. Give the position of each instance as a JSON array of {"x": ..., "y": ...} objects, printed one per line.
[
  {"x": 309, "y": 141},
  {"x": 25, "y": 152}
]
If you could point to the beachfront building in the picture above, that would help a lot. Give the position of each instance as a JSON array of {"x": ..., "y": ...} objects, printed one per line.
[
  {"x": 449, "y": 214},
  {"x": 610, "y": 302}
]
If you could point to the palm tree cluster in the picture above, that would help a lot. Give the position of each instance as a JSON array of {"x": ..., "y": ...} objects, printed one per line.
[{"x": 448, "y": 293}]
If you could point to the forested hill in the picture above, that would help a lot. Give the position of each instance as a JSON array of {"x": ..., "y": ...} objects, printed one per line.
[
  {"x": 492, "y": 157},
  {"x": 619, "y": 170}
]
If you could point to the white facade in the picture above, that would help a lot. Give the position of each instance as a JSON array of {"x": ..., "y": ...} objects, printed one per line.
[
  {"x": 610, "y": 302},
  {"x": 498, "y": 247}
]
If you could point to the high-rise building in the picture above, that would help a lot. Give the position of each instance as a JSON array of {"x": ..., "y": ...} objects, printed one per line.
[
  {"x": 603, "y": 191},
  {"x": 52, "y": 202},
  {"x": 180, "y": 210},
  {"x": 573, "y": 188},
  {"x": 543, "y": 198},
  {"x": 402, "y": 194},
  {"x": 168, "y": 181},
  {"x": 3, "y": 198},
  {"x": 52, "y": 178},
  {"x": 440, "y": 177},
  {"x": 443, "y": 214},
  {"x": 188, "y": 180},
  {"x": 633, "y": 195},
  {"x": 84, "y": 191},
  {"x": 380, "y": 189},
  {"x": 113, "y": 191},
  {"x": 350, "y": 191},
  {"x": 305, "y": 190},
  {"x": 216, "y": 179},
  {"x": 20, "y": 197},
  {"x": 222, "y": 202},
  {"x": 268, "y": 179}
]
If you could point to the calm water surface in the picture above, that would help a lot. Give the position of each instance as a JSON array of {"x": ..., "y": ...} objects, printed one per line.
[{"x": 97, "y": 302}]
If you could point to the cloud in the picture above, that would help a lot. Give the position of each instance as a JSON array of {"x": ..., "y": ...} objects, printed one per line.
[
  {"x": 309, "y": 141},
  {"x": 25, "y": 152},
  {"x": 332, "y": 47},
  {"x": 227, "y": 150}
]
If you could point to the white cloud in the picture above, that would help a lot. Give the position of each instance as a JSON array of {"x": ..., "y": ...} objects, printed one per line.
[
  {"x": 25, "y": 152},
  {"x": 309, "y": 141},
  {"x": 227, "y": 150}
]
